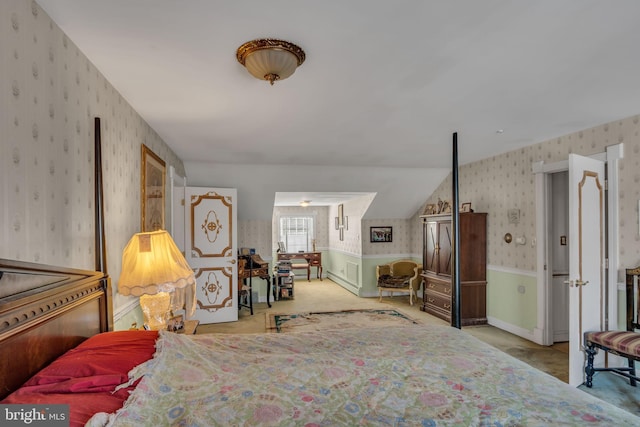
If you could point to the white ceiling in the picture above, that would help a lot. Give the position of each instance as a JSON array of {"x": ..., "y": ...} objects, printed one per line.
[
  {"x": 315, "y": 198},
  {"x": 384, "y": 84}
]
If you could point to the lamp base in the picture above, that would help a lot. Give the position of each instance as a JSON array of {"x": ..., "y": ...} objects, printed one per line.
[{"x": 156, "y": 310}]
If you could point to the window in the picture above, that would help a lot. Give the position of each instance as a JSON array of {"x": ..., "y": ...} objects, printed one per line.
[{"x": 297, "y": 232}]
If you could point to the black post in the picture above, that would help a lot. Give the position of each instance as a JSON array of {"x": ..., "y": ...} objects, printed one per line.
[
  {"x": 251, "y": 284},
  {"x": 455, "y": 250},
  {"x": 100, "y": 244}
]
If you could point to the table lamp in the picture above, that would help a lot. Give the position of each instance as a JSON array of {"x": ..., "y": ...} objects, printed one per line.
[{"x": 154, "y": 269}]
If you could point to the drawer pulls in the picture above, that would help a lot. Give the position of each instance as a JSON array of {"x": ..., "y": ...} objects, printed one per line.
[
  {"x": 445, "y": 290},
  {"x": 446, "y": 306}
]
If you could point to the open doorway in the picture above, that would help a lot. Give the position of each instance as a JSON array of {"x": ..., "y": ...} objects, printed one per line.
[
  {"x": 558, "y": 246},
  {"x": 591, "y": 231}
]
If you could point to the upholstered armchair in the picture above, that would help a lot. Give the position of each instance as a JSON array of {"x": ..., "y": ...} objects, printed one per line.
[{"x": 399, "y": 276}]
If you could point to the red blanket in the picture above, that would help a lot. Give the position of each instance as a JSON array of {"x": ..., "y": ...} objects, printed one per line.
[{"x": 85, "y": 377}]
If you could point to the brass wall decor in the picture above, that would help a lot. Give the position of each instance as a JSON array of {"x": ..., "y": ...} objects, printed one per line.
[{"x": 270, "y": 59}]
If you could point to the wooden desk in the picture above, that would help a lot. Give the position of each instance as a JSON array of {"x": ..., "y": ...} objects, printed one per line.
[
  {"x": 251, "y": 267},
  {"x": 313, "y": 259}
]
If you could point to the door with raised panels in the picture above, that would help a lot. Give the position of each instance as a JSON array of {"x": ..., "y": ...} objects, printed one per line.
[
  {"x": 210, "y": 249},
  {"x": 586, "y": 257}
]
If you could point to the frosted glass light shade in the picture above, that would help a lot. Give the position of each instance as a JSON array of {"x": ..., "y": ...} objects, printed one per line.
[
  {"x": 152, "y": 263},
  {"x": 270, "y": 59}
]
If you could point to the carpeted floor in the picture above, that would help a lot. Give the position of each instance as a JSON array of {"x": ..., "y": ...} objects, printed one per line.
[{"x": 326, "y": 296}]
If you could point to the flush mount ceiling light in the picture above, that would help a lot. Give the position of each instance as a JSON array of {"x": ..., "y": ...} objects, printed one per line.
[
  {"x": 305, "y": 203},
  {"x": 270, "y": 59}
]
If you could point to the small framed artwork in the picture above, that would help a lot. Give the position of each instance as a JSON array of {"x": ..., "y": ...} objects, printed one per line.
[
  {"x": 341, "y": 214},
  {"x": 381, "y": 234},
  {"x": 466, "y": 207},
  {"x": 346, "y": 222},
  {"x": 337, "y": 224},
  {"x": 281, "y": 248},
  {"x": 341, "y": 234},
  {"x": 152, "y": 194}
]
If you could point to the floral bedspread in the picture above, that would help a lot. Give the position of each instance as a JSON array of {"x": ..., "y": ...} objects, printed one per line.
[{"x": 399, "y": 376}]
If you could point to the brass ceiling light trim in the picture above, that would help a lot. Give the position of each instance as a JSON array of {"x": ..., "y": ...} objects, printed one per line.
[{"x": 270, "y": 59}]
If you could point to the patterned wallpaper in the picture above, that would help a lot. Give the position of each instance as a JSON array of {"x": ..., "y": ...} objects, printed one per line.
[
  {"x": 504, "y": 182},
  {"x": 50, "y": 95},
  {"x": 407, "y": 237},
  {"x": 403, "y": 237},
  {"x": 256, "y": 234},
  {"x": 354, "y": 235}
]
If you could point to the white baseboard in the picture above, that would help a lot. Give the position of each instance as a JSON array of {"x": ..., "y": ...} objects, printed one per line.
[{"x": 515, "y": 330}]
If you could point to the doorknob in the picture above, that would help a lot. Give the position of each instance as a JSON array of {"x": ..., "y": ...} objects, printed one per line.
[
  {"x": 232, "y": 260},
  {"x": 581, "y": 283},
  {"x": 569, "y": 282}
]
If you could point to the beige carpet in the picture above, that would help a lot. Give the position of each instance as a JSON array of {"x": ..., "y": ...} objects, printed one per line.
[{"x": 331, "y": 320}]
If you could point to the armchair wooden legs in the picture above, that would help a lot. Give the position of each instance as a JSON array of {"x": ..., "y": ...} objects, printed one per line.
[{"x": 410, "y": 290}]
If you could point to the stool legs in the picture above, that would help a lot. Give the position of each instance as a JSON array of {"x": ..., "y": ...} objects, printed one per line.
[
  {"x": 588, "y": 370},
  {"x": 632, "y": 371}
]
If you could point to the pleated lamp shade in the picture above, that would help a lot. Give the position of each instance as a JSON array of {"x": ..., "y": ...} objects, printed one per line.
[{"x": 152, "y": 263}]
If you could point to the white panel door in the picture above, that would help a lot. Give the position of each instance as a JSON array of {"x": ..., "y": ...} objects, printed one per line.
[
  {"x": 210, "y": 249},
  {"x": 586, "y": 257}
]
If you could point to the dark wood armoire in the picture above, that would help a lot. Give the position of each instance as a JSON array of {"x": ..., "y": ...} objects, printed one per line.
[{"x": 438, "y": 263}]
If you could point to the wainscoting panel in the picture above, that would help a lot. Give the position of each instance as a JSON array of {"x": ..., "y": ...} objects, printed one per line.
[{"x": 352, "y": 272}]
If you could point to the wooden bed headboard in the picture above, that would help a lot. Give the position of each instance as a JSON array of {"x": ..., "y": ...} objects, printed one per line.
[{"x": 47, "y": 310}]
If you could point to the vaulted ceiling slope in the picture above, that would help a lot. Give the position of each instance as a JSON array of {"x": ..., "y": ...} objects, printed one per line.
[{"x": 384, "y": 84}]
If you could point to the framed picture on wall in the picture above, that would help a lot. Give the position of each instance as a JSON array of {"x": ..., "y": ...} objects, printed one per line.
[
  {"x": 381, "y": 234},
  {"x": 152, "y": 194}
]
